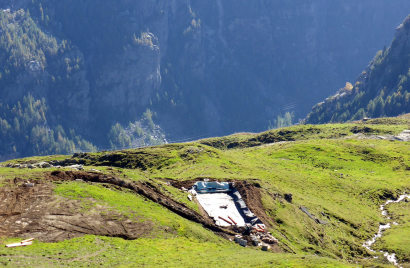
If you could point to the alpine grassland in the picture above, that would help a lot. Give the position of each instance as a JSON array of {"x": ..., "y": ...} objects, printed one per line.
[{"x": 340, "y": 173}]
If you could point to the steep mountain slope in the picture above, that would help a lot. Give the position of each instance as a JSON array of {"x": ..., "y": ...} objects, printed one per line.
[
  {"x": 25, "y": 130},
  {"x": 201, "y": 68},
  {"x": 382, "y": 89},
  {"x": 318, "y": 191},
  {"x": 249, "y": 62}
]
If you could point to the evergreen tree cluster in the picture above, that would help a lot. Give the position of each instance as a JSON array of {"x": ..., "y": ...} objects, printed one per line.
[
  {"x": 23, "y": 44},
  {"x": 142, "y": 132},
  {"x": 383, "y": 89},
  {"x": 282, "y": 120},
  {"x": 24, "y": 131}
]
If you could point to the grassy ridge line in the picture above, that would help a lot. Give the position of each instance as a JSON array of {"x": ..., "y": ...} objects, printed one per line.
[
  {"x": 379, "y": 126},
  {"x": 306, "y": 132},
  {"x": 166, "y": 155}
]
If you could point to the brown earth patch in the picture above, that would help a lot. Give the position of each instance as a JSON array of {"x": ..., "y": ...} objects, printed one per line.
[
  {"x": 34, "y": 211},
  {"x": 252, "y": 196},
  {"x": 188, "y": 184}
]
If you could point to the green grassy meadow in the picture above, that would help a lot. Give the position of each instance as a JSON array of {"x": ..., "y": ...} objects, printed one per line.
[
  {"x": 157, "y": 252},
  {"x": 340, "y": 178}
]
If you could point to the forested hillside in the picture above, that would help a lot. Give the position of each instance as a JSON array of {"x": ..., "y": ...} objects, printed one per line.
[
  {"x": 181, "y": 69},
  {"x": 383, "y": 89}
]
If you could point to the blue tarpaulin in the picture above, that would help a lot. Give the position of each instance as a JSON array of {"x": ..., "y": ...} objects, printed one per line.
[{"x": 212, "y": 187}]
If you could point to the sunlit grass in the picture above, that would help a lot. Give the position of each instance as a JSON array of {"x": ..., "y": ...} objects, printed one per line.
[
  {"x": 175, "y": 252},
  {"x": 340, "y": 179}
]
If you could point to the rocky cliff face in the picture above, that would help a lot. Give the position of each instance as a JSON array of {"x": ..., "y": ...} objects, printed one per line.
[
  {"x": 34, "y": 61},
  {"x": 204, "y": 68}
]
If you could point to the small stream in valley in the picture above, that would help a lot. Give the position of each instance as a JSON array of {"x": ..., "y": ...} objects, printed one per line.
[{"x": 391, "y": 257}]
